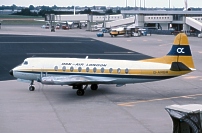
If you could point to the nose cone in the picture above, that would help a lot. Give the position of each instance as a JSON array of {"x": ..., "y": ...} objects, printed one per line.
[{"x": 11, "y": 72}]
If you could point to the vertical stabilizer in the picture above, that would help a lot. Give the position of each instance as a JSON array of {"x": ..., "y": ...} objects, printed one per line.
[
  {"x": 185, "y": 5},
  {"x": 180, "y": 52}
]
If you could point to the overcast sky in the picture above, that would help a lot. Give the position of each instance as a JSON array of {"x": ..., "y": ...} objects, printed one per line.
[{"x": 112, "y": 3}]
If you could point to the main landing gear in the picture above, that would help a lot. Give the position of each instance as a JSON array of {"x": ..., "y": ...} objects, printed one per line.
[
  {"x": 94, "y": 87},
  {"x": 81, "y": 90},
  {"x": 31, "y": 87}
]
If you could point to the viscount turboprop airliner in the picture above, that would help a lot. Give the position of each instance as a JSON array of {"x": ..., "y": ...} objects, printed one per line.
[{"x": 79, "y": 73}]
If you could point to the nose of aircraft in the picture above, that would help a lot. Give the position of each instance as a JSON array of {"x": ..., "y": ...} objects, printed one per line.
[{"x": 11, "y": 72}]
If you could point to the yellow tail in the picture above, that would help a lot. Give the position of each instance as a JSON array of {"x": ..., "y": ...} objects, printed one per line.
[{"x": 180, "y": 53}]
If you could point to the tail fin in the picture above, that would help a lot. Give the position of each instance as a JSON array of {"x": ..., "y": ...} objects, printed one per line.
[{"x": 180, "y": 53}]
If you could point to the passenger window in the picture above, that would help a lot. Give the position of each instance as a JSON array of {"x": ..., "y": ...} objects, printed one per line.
[
  {"x": 94, "y": 69},
  {"x": 110, "y": 70},
  {"x": 71, "y": 68},
  {"x": 126, "y": 71},
  {"x": 118, "y": 70},
  {"x": 87, "y": 69},
  {"x": 64, "y": 68},
  {"x": 102, "y": 70},
  {"x": 79, "y": 69},
  {"x": 56, "y": 68}
]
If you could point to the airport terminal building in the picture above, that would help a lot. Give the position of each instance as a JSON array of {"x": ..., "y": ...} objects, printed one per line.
[
  {"x": 161, "y": 21},
  {"x": 165, "y": 20}
]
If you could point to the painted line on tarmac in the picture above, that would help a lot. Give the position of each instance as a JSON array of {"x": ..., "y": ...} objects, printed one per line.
[
  {"x": 154, "y": 100},
  {"x": 191, "y": 77},
  {"x": 165, "y": 44},
  {"x": 120, "y": 52},
  {"x": 81, "y": 54},
  {"x": 159, "y": 40},
  {"x": 40, "y": 42}
]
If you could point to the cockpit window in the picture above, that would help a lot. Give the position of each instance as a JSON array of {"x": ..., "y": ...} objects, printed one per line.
[{"x": 25, "y": 63}]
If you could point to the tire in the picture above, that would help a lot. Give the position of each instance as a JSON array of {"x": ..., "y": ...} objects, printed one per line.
[
  {"x": 31, "y": 88},
  {"x": 80, "y": 92},
  {"x": 94, "y": 87}
]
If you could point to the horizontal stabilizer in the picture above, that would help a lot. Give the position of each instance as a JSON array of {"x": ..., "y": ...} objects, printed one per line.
[{"x": 179, "y": 66}]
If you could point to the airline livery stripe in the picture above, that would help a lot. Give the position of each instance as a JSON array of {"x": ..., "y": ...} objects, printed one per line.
[{"x": 106, "y": 75}]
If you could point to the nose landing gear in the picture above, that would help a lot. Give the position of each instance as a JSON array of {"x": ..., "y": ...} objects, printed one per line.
[{"x": 31, "y": 87}]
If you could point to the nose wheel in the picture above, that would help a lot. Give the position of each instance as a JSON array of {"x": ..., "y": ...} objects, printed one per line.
[{"x": 31, "y": 87}]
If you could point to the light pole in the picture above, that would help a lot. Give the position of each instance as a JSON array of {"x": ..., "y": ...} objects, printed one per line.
[
  {"x": 169, "y": 4},
  {"x": 140, "y": 4},
  {"x": 135, "y": 4}
]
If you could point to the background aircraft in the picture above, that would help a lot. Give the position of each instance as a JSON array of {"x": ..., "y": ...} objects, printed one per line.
[{"x": 117, "y": 31}]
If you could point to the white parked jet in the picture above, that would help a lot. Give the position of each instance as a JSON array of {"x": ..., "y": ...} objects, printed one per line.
[{"x": 77, "y": 72}]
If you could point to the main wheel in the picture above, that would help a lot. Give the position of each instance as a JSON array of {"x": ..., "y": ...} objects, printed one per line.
[
  {"x": 94, "y": 87},
  {"x": 31, "y": 88},
  {"x": 80, "y": 92}
]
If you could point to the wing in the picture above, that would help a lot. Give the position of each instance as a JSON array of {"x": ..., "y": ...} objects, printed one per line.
[{"x": 75, "y": 79}]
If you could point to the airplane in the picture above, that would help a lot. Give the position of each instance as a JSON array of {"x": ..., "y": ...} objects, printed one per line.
[
  {"x": 117, "y": 31},
  {"x": 81, "y": 72}
]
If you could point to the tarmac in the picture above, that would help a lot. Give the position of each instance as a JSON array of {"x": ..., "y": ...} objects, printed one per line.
[{"x": 138, "y": 108}]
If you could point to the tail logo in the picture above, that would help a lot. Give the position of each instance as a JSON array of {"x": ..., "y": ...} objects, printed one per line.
[
  {"x": 183, "y": 50},
  {"x": 180, "y": 50}
]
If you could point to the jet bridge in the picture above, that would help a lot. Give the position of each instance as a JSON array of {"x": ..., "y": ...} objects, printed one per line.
[
  {"x": 194, "y": 23},
  {"x": 119, "y": 22}
]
